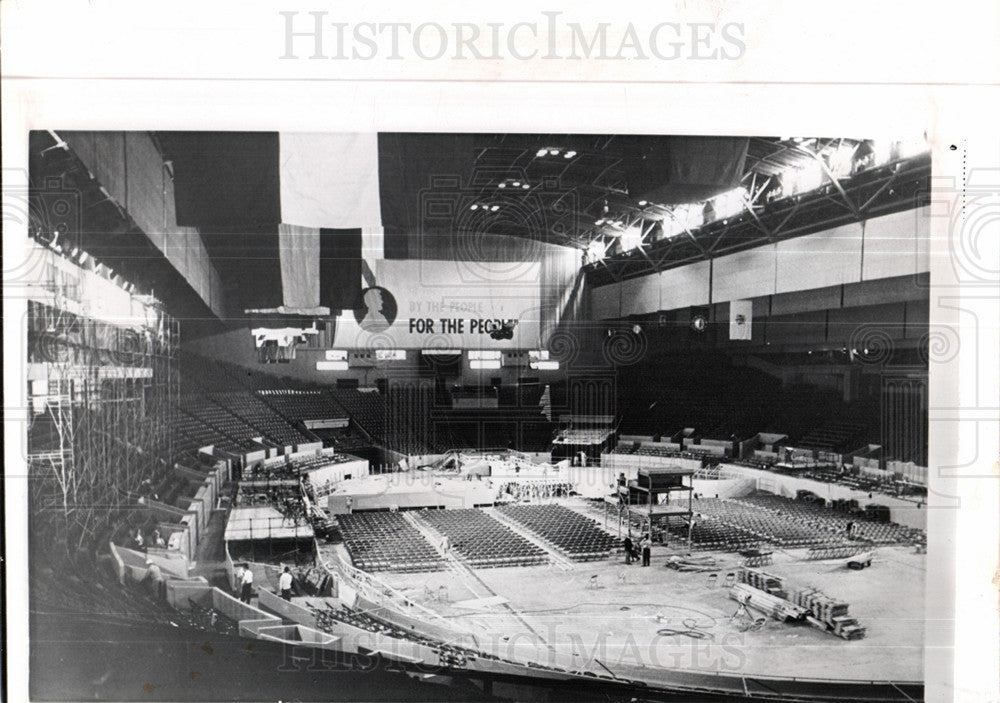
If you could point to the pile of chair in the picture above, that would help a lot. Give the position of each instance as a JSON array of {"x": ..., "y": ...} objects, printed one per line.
[
  {"x": 483, "y": 541},
  {"x": 449, "y": 655},
  {"x": 575, "y": 535}
]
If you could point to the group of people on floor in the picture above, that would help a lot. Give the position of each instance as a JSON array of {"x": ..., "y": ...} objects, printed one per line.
[{"x": 637, "y": 550}]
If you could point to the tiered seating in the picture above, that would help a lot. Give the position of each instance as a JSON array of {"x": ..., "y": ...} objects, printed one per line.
[
  {"x": 834, "y": 436},
  {"x": 816, "y": 514},
  {"x": 387, "y": 542},
  {"x": 191, "y": 434},
  {"x": 367, "y": 408},
  {"x": 263, "y": 419},
  {"x": 575, "y": 535},
  {"x": 302, "y": 405},
  {"x": 481, "y": 540},
  {"x": 225, "y": 423}
]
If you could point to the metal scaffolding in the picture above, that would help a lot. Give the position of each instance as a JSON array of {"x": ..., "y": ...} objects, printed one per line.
[{"x": 101, "y": 395}]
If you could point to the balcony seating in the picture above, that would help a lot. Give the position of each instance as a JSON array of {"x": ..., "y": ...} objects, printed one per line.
[{"x": 264, "y": 421}]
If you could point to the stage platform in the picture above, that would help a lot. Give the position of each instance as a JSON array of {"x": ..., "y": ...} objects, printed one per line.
[{"x": 260, "y": 522}]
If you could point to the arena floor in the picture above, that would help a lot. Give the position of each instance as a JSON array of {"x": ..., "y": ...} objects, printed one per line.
[{"x": 606, "y": 615}]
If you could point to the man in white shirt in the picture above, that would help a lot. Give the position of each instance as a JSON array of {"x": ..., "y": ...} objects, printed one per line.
[
  {"x": 247, "y": 581},
  {"x": 285, "y": 584}
]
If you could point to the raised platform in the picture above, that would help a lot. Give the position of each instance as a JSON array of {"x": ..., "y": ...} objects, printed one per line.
[{"x": 263, "y": 522}]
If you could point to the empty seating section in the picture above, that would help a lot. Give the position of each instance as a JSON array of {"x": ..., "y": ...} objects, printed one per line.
[
  {"x": 265, "y": 421},
  {"x": 231, "y": 433},
  {"x": 815, "y": 513},
  {"x": 481, "y": 540},
  {"x": 367, "y": 408},
  {"x": 710, "y": 533},
  {"x": 838, "y": 435},
  {"x": 573, "y": 534},
  {"x": 191, "y": 434},
  {"x": 772, "y": 527},
  {"x": 385, "y": 541},
  {"x": 701, "y": 395},
  {"x": 303, "y": 405}
]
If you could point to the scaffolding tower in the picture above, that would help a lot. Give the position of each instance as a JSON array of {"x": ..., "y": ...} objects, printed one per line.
[{"x": 101, "y": 393}]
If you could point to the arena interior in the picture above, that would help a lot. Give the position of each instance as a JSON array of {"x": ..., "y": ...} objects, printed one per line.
[{"x": 444, "y": 379}]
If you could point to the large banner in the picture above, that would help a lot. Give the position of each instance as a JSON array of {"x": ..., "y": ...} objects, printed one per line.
[{"x": 420, "y": 304}]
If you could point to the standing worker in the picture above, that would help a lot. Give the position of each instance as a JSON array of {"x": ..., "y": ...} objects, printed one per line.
[
  {"x": 285, "y": 584},
  {"x": 628, "y": 548},
  {"x": 645, "y": 543},
  {"x": 246, "y": 592}
]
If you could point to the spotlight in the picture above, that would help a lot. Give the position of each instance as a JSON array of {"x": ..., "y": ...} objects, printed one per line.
[
  {"x": 541, "y": 152},
  {"x": 643, "y": 203},
  {"x": 473, "y": 207},
  {"x": 554, "y": 152},
  {"x": 525, "y": 186},
  {"x": 516, "y": 184},
  {"x": 569, "y": 154},
  {"x": 636, "y": 329},
  {"x": 501, "y": 185},
  {"x": 494, "y": 208}
]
